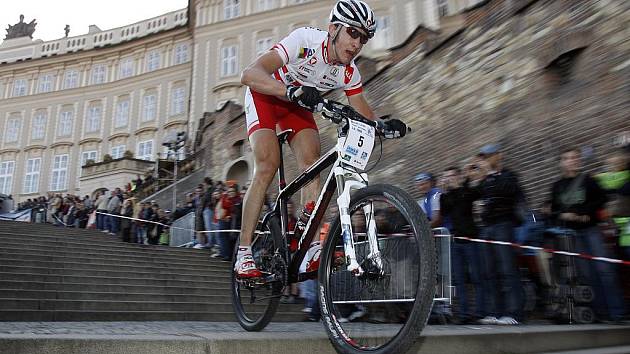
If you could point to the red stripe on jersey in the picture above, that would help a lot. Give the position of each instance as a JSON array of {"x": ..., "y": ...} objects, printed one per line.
[
  {"x": 355, "y": 91},
  {"x": 279, "y": 45},
  {"x": 284, "y": 69},
  {"x": 277, "y": 76}
]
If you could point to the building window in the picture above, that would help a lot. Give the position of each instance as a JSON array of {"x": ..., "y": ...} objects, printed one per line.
[
  {"x": 19, "y": 87},
  {"x": 181, "y": 53},
  {"x": 177, "y": 101},
  {"x": 231, "y": 9},
  {"x": 265, "y": 5},
  {"x": 442, "y": 6},
  {"x": 153, "y": 60},
  {"x": 93, "y": 119},
  {"x": 118, "y": 151},
  {"x": 88, "y": 155},
  {"x": 126, "y": 68},
  {"x": 71, "y": 79},
  {"x": 59, "y": 176},
  {"x": 229, "y": 61},
  {"x": 149, "y": 104},
  {"x": 12, "y": 130},
  {"x": 98, "y": 74},
  {"x": 31, "y": 177},
  {"x": 383, "y": 37},
  {"x": 45, "y": 83},
  {"x": 6, "y": 176},
  {"x": 263, "y": 45},
  {"x": 122, "y": 114},
  {"x": 65, "y": 124},
  {"x": 145, "y": 150},
  {"x": 39, "y": 126}
]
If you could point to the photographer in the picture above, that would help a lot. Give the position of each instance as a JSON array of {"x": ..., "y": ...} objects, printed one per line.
[{"x": 457, "y": 205}]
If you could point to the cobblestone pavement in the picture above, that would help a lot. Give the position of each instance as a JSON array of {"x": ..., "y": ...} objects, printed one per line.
[
  {"x": 144, "y": 328},
  {"x": 184, "y": 328}
]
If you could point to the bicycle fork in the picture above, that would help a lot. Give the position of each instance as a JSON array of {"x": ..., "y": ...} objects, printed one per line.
[{"x": 348, "y": 181}]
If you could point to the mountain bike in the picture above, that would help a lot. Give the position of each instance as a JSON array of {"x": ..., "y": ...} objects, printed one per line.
[{"x": 376, "y": 276}]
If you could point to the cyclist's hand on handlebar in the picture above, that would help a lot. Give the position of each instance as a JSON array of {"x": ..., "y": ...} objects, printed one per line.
[
  {"x": 392, "y": 128},
  {"x": 306, "y": 97}
]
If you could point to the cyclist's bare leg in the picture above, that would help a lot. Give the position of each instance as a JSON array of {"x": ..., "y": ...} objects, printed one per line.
[
  {"x": 306, "y": 148},
  {"x": 264, "y": 143}
]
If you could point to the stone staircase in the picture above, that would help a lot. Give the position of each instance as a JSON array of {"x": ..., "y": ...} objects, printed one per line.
[{"x": 50, "y": 273}]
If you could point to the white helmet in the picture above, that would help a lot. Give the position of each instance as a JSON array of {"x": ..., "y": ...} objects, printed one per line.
[{"x": 355, "y": 13}]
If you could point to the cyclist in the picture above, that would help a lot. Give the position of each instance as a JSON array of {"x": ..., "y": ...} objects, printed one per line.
[{"x": 284, "y": 89}]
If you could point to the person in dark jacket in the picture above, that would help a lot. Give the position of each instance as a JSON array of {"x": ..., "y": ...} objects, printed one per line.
[
  {"x": 500, "y": 192},
  {"x": 125, "y": 224},
  {"x": 576, "y": 200},
  {"x": 457, "y": 205}
]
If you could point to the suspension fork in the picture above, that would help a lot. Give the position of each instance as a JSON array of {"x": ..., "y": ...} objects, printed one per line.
[{"x": 346, "y": 182}]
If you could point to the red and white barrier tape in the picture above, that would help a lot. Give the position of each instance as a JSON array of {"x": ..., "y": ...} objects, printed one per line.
[
  {"x": 547, "y": 250},
  {"x": 503, "y": 243}
]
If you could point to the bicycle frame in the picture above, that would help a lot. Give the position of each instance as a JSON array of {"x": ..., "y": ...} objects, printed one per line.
[{"x": 340, "y": 178}]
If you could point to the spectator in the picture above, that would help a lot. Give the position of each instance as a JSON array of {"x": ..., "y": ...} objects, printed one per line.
[
  {"x": 81, "y": 215},
  {"x": 575, "y": 202},
  {"x": 153, "y": 231},
  {"x": 290, "y": 293},
  {"x": 113, "y": 208},
  {"x": 208, "y": 203},
  {"x": 201, "y": 238},
  {"x": 101, "y": 207},
  {"x": 430, "y": 200},
  {"x": 141, "y": 227},
  {"x": 125, "y": 224},
  {"x": 616, "y": 182},
  {"x": 457, "y": 204},
  {"x": 88, "y": 203},
  {"x": 224, "y": 216},
  {"x": 500, "y": 192}
]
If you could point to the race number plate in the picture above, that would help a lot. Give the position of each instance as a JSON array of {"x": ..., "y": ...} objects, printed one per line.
[{"x": 358, "y": 145}]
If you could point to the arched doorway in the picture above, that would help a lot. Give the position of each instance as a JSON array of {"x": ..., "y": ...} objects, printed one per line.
[{"x": 239, "y": 172}]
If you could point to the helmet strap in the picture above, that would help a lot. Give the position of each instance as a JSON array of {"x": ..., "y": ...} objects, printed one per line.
[{"x": 333, "y": 42}]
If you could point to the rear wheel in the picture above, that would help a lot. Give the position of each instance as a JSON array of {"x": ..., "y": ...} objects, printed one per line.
[
  {"x": 255, "y": 301},
  {"x": 385, "y": 309}
]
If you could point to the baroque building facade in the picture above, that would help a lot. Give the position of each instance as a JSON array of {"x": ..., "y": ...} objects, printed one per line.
[{"x": 67, "y": 101}]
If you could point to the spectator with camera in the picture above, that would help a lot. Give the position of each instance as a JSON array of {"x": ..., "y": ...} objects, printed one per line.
[{"x": 457, "y": 205}]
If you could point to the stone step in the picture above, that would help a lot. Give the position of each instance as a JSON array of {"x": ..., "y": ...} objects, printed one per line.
[
  {"x": 192, "y": 289},
  {"x": 158, "y": 274},
  {"x": 49, "y": 315},
  {"x": 83, "y": 242},
  {"x": 210, "y": 269},
  {"x": 131, "y": 261},
  {"x": 104, "y": 252},
  {"x": 109, "y": 280},
  {"x": 112, "y": 296}
]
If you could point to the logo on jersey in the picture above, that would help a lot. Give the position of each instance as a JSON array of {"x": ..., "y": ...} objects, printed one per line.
[
  {"x": 348, "y": 74},
  {"x": 305, "y": 69},
  {"x": 327, "y": 84},
  {"x": 334, "y": 71},
  {"x": 312, "y": 61},
  {"x": 306, "y": 52}
]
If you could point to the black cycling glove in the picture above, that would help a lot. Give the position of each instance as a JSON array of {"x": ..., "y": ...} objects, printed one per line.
[
  {"x": 306, "y": 97},
  {"x": 392, "y": 129}
]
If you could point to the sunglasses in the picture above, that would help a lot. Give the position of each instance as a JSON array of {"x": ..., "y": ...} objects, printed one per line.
[{"x": 355, "y": 33}]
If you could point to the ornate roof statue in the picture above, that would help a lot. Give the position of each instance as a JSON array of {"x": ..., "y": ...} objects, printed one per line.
[{"x": 21, "y": 29}]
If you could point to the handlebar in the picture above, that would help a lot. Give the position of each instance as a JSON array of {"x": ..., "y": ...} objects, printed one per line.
[{"x": 337, "y": 112}]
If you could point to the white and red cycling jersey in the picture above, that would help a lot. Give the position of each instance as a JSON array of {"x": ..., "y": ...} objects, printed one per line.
[
  {"x": 305, "y": 56},
  {"x": 304, "y": 53}
]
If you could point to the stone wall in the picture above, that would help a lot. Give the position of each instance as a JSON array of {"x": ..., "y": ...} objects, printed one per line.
[{"x": 535, "y": 76}]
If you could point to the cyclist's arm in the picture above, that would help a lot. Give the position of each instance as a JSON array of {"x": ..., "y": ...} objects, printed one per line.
[
  {"x": 359, "y": 103},
  {"x": 258, "y": 75}
]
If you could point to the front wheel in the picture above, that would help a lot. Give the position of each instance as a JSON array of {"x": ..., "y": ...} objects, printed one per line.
[{"x": 384, "y": 309}]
